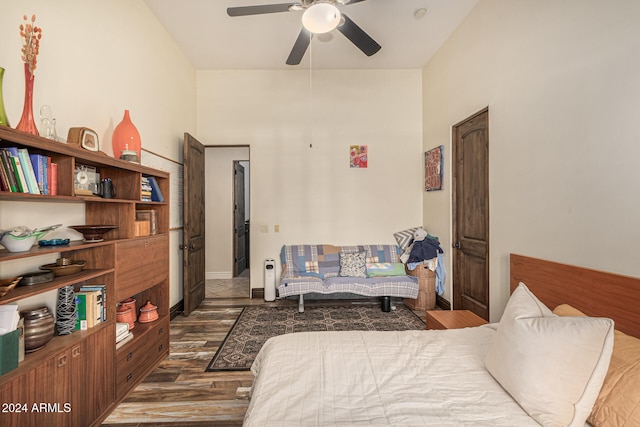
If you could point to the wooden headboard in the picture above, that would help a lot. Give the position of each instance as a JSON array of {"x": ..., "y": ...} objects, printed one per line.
[{"x": 595, "y": 293}]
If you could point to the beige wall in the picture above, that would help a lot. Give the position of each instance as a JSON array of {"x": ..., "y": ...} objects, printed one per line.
[
  {"x": 310, "y": 192},
  {"x": 561, "y": 82},
  {"x": 96, "y": 60}
]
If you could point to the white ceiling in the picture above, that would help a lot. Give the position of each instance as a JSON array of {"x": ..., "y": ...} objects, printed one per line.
[{"x": 214, "y": 41}]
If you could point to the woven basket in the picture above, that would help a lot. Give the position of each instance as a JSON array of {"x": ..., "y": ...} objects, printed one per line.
[
  {"x": 7, "y": 284},
  {"x": 427, "y": 292}
]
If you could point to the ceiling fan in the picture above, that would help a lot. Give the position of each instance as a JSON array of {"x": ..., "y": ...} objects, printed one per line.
[{"x": 320, "y": 16}]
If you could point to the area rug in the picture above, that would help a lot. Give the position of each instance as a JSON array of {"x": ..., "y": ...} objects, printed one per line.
[{"x": 256, "y": 324}]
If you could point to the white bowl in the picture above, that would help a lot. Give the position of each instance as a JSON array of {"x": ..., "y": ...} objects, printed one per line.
[{"x": 18, "y": 244}]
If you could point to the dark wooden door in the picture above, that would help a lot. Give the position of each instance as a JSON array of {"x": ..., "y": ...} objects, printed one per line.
[
  {"x": 239, "y": 230},
  {"x": 194, "y": 230},
  {"x": 471, "y": 214}
]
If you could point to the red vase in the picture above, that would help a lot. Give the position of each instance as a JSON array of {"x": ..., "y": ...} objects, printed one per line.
[
  {"x": 125, "y": 137},
  {"x": 27, "y": 123}
]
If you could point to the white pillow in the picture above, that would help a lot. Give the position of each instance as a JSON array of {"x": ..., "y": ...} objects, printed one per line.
[{"x": 552, "y": 366}]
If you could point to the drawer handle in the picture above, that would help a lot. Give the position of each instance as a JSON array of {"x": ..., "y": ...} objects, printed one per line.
[
  {"x": 146, "y": 244},
  {"x": 129, "y": 355},
  {"x": 160, "y": 347},
  {"x": 62, "y": 360},
  {"x": 75, "y": 352},
  {"x": 129, "y": 377},
  {"x": 160, "y": 331}
]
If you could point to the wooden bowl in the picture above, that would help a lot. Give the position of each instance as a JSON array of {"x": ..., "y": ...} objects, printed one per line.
[
  {"x": 7, "y": 284},
  {"x": 64, "y": 270},
  {"x": 93, "y": 233}
]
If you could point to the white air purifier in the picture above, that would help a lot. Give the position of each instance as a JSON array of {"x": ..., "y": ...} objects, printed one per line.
[{"x": 269, "y": 280}]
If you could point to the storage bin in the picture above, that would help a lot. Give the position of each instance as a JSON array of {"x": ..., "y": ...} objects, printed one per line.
[{"x": 427, "y": 293}]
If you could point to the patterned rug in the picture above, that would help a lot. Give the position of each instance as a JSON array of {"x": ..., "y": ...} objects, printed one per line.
[{"x": 256, "y": 324}]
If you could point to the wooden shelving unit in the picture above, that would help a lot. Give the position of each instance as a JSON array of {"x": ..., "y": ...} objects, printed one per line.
[{"x": 84, "y": 369}]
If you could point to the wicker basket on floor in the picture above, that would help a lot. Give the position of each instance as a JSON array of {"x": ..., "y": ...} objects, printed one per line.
[{"x": 427, "y": 293}]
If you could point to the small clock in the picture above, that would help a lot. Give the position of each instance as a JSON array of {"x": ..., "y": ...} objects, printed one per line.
[
  {"x": 84, "y": 137},
  {"x": 82, "y": 178}
]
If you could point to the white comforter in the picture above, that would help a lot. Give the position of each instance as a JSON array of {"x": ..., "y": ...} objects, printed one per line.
[{"x": 408, "y": 378}]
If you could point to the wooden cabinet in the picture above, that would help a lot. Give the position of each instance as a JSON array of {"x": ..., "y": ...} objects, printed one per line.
[
  {"x": 140, "y": 264},
  {"x": 77, "y": 379},
  {"x": 135, "y": 362}
]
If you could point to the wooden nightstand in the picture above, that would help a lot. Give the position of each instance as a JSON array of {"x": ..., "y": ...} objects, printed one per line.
[{"x": 453, "y": 319}]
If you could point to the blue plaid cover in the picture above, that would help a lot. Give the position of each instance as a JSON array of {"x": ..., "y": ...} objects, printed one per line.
[{"x": 315, "y": 269}]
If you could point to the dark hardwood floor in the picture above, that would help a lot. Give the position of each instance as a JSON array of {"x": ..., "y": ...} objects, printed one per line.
[{"x": 179, "y": 392}]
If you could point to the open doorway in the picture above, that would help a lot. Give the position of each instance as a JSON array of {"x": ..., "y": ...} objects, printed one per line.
[
  {"x": 227, "y": 206},
  {"x": 241, "y": 224}
]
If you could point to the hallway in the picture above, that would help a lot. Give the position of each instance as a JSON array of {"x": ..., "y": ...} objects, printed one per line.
[{"x": 238, "y": 287}]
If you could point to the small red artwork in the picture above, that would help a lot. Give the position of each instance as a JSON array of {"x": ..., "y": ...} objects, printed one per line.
[
  {"x": 433, "y": 169},
  {"x": 358, "y": 156}
]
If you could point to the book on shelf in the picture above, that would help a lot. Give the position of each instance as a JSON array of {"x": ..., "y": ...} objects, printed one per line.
[
  {"x": 156, "y": 193},
  {"x": 146, "y": 190},
  {"x": 4, "y": 178},
  {"x": 38, "y": 168},
  {"x": 20, "y": 179},
  {"x": 27, "y": 169},
  {"x": 125, "y": 340},
  {"x": 47, "y": 175},
  {"x": 101, "y": 301},
  {"x": 22, "y": 172},
  {"x": 53, "y": 179},
  {"x": 81, "y": 312},
  {"x": 8, "y": 167},
  {"x": 122, "y": 330},
  {"x": 21, "y": 182},
  {"x": 89, "y": 309},
  {"x": 150, "y": 215},
  {"x": 123, "y": 334}
]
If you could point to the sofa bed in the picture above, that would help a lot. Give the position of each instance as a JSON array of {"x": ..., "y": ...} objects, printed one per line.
[
  {"x": 535, "y": 367},
  {"x": 362, "y": 270}
]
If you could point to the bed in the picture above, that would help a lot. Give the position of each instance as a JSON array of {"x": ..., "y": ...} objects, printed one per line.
[{"x": 474, "y": 376}]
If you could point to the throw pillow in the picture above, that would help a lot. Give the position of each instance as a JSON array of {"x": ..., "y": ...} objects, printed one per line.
[
  {"x": 404, "y": 237},
  {"x": 618, "y": 403},
  {"x": 353, "y": 264},
  {"x": 381, "y": 269},
  {"x": 552, "y": 366}
]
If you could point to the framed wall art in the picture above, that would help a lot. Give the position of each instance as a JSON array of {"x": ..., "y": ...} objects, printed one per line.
[
  {"x": 433, "y": 169},
  {"x": 358, "y": 156}
]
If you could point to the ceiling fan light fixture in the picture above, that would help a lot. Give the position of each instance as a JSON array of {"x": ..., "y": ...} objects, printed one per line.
[{"x": 321, "y": 18}]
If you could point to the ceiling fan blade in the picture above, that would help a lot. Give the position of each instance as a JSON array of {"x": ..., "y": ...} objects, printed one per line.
[
  {"x": 259, "y": 10},
  {"x": 299, "y": 47},
  {"x": 358, "y": 37}
]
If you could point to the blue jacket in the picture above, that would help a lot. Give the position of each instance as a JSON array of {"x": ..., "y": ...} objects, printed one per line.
[{"x": 424, "y": 249}]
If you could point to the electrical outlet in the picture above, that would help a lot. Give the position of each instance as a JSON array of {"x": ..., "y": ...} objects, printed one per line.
[{"x": 276, "y": 228}]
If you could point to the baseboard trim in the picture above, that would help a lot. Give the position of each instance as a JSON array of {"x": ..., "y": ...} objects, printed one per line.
[
  {"x": 217, "y": 275},
  {"x": 176, "y": 309},
  {"x": 443, "y": 303}
]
